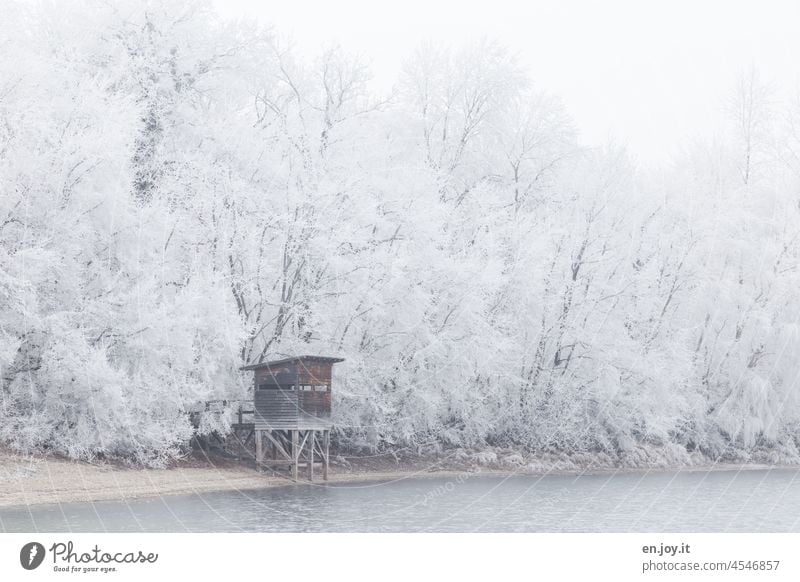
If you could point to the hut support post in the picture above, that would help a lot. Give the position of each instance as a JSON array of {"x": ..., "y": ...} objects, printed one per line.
[
  {"x": 259, "y": 449},
  {"x": 311, "y": 445},
  {"x": 326, "y": 443},
  {"x": 295, "y": 454}
]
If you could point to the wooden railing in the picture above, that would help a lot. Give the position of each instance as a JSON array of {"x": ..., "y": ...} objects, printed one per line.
[{"x": 244, "y": 410}]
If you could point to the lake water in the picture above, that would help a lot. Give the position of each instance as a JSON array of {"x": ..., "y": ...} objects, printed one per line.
[{"x": 718, "y": 501}]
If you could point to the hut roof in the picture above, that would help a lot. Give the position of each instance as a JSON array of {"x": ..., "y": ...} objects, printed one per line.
[{"x": 298, "y": 359}]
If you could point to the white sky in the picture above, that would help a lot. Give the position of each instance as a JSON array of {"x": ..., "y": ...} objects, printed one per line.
[{"x": 651, "y": 75}]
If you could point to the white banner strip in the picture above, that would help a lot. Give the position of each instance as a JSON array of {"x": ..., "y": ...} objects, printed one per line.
[{"x": 406, "y": 557}]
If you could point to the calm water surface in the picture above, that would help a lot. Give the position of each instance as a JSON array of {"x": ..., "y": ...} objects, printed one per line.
[{"x": 720, "y": 501}]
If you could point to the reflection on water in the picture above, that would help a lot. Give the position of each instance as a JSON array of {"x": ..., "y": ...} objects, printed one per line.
[{"x": 750, "y": 501}]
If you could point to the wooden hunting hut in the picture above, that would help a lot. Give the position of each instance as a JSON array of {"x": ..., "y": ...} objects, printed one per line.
[{"x": 292, "y": 412}]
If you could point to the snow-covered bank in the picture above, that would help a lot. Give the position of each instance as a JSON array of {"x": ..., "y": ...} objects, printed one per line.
[{"x": 46, "y": 480}]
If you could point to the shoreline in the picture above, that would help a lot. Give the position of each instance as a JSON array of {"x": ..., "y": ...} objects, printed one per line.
[{"x": 29, "y": 481}]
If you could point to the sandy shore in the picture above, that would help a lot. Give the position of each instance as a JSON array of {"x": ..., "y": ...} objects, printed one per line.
[{"x": 39, "y": 480}]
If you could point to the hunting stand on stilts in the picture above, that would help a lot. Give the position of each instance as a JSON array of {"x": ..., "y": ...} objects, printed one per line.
[{"x": 292, "y": 413}]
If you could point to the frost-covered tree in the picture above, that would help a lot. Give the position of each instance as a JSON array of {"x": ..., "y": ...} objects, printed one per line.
[{"x": 182, "y": 195}]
